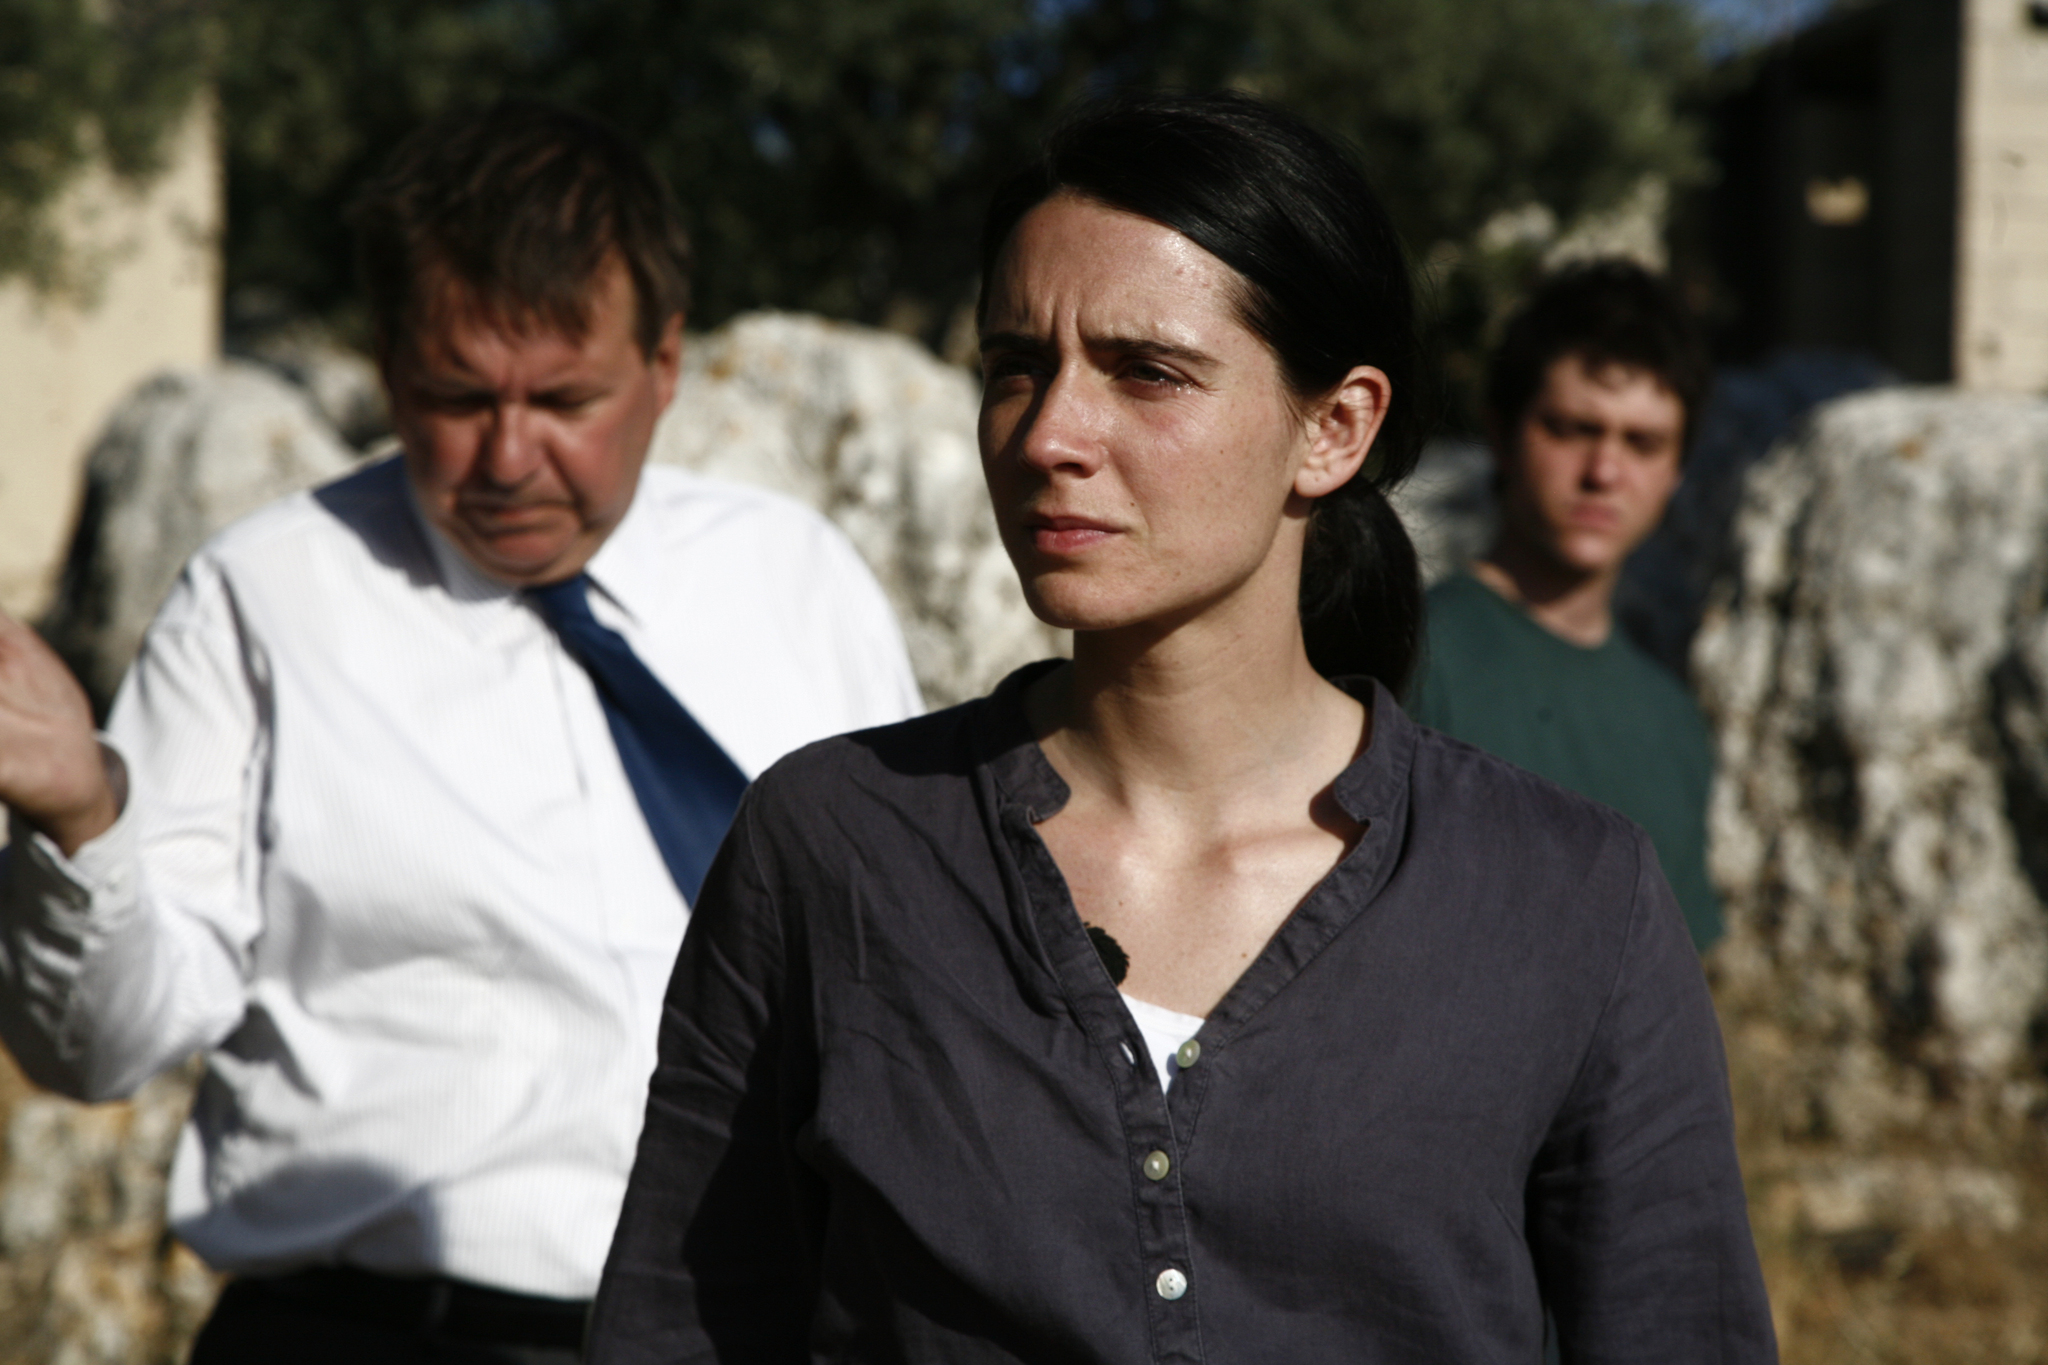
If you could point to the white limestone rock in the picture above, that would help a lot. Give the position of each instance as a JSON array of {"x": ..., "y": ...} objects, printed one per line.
[
  {"x": 87, "y": 1276},
  {"x": 1838, "y": 1198},
  {"x": 342, "y": 384},
  {"x": 180, "y": 457},
  {"x": 1875, "y": 670},
  {"x": 1448, "y": 507},
  {"x": 879, "y": 434}
]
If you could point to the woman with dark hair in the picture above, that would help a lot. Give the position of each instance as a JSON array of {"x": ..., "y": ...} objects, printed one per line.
[{"x": 1186, "y": 1001}]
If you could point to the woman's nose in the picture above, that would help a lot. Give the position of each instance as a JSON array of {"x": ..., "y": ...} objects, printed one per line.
[{"x": 1061, "y": 429}]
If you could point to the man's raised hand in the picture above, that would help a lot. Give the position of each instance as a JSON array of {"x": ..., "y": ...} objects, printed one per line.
[{"x": 53, "y": 771}]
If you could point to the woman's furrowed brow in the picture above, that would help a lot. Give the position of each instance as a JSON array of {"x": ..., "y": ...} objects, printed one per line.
[
  {"x": 1150, "y": 348},
  {"x": 1013, "y": 341},
  {"x": 1154, "y": 349}
]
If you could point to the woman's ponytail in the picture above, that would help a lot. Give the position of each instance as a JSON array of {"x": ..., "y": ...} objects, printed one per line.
[{"x": 1361, "y": 588}]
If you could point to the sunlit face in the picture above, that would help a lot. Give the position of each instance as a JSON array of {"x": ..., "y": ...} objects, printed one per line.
[
  {"x": 1591, "y": 465},
  {"x": 1139, "y": 443},
  {"x": 525, "y": 448}
]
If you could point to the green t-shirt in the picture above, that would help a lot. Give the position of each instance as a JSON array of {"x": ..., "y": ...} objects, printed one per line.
[{"x": 1605, "y": 722}]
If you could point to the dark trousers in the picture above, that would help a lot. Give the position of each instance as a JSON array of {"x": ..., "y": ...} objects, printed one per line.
[{"x": 350, "y": 1317}]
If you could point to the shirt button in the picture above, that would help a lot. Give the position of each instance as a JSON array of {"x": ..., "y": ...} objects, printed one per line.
[
  {"x": 1157, "y": 1165},
  {"x": 1188, "y": 1054},
  {"x": 1171, "y": 1284}
]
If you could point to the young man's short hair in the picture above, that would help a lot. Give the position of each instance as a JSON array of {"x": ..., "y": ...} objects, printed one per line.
[
  {"x": 519, "y": 206},
  {"x": 1607, "y": 312}
]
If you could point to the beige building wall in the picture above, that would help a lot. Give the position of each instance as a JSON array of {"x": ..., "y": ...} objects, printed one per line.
[
  {"x": 156, "y": 263},
  {"x": 2001, "y": 314}
]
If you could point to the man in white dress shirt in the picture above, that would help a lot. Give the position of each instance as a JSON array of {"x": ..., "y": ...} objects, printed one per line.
[{"x": 360, "y": 830}]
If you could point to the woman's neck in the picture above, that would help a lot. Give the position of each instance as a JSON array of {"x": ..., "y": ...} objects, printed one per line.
[
  {"x": 1209, "y": 713},
  {"x": 1201, "y": 765}
]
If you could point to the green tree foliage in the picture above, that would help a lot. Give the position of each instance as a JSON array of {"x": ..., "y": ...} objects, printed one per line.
[
  {"x": 836, "y": 156},
  {"x": 314, "y": 93},
  {"x": 81, "y": 81},
  {"x": 831, "y": 156},
  {"x": 1462, "y": 109}
]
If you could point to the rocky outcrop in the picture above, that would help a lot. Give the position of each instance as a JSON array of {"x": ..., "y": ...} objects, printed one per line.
[
  {"x": 181, "y": 456},
  {"x": 342, "y": 384},
  {"x": 1665, "y": 584},
  {"x": 1447, "y": 505},
  {"x": 87, "y": 1274},
  {"x": 878, "y": 434},
  {"x": 1877, "y": 673}
]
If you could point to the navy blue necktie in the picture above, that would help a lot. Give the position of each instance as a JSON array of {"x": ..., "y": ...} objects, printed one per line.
[{"x": 687, "y": 785}]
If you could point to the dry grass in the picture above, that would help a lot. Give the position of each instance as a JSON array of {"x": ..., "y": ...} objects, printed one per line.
[{"x": 1887, "y": 1294}]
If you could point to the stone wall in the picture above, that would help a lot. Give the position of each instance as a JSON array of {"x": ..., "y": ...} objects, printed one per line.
[
  {"x": 87, "y": 1274},
  {"x": 1875, "y": 665},
  {"x": 2001, "y": 208},
  {"x": 183, "y": 454}
]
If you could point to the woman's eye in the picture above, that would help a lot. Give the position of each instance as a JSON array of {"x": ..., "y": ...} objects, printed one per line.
[{"x": 1147, "y": 373}]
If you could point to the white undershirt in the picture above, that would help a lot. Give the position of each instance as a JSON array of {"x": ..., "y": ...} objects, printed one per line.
[{"x": 1164, "y": 1030}]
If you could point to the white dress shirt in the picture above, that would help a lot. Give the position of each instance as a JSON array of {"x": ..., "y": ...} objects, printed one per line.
[{"x": 380, "y": 858}]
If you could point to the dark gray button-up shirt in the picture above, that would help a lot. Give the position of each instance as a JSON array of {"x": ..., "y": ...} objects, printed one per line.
[{"x": 901, "y": 1113}]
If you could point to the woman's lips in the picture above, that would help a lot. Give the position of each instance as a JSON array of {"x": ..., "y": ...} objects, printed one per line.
[{"x": 1066, "y": 535}]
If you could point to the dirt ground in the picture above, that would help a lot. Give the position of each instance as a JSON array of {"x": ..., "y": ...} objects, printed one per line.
[{"x": 1881, "y": 1295}]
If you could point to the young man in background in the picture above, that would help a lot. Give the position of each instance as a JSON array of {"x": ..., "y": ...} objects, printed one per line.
[{"x": 1592, "y": 396}]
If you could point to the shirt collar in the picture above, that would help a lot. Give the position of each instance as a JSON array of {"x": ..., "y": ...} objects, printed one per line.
[
  {"x": 462, "y": 580},
  {"x": 1019, "y": 767},
  {"x": 627, "y": 568},
  {"x": 1369, "y": 790}
]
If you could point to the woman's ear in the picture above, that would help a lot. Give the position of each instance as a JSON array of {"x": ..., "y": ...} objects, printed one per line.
[{"x": 1345, "y": 422}]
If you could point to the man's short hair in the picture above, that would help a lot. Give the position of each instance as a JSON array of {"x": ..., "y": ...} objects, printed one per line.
[
  {"x": 520, "y": 206},
  {"x": 1607, "y": 312}
]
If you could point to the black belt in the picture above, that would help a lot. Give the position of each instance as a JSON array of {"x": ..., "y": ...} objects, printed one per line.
[{"x": 429, "y": 1305}]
